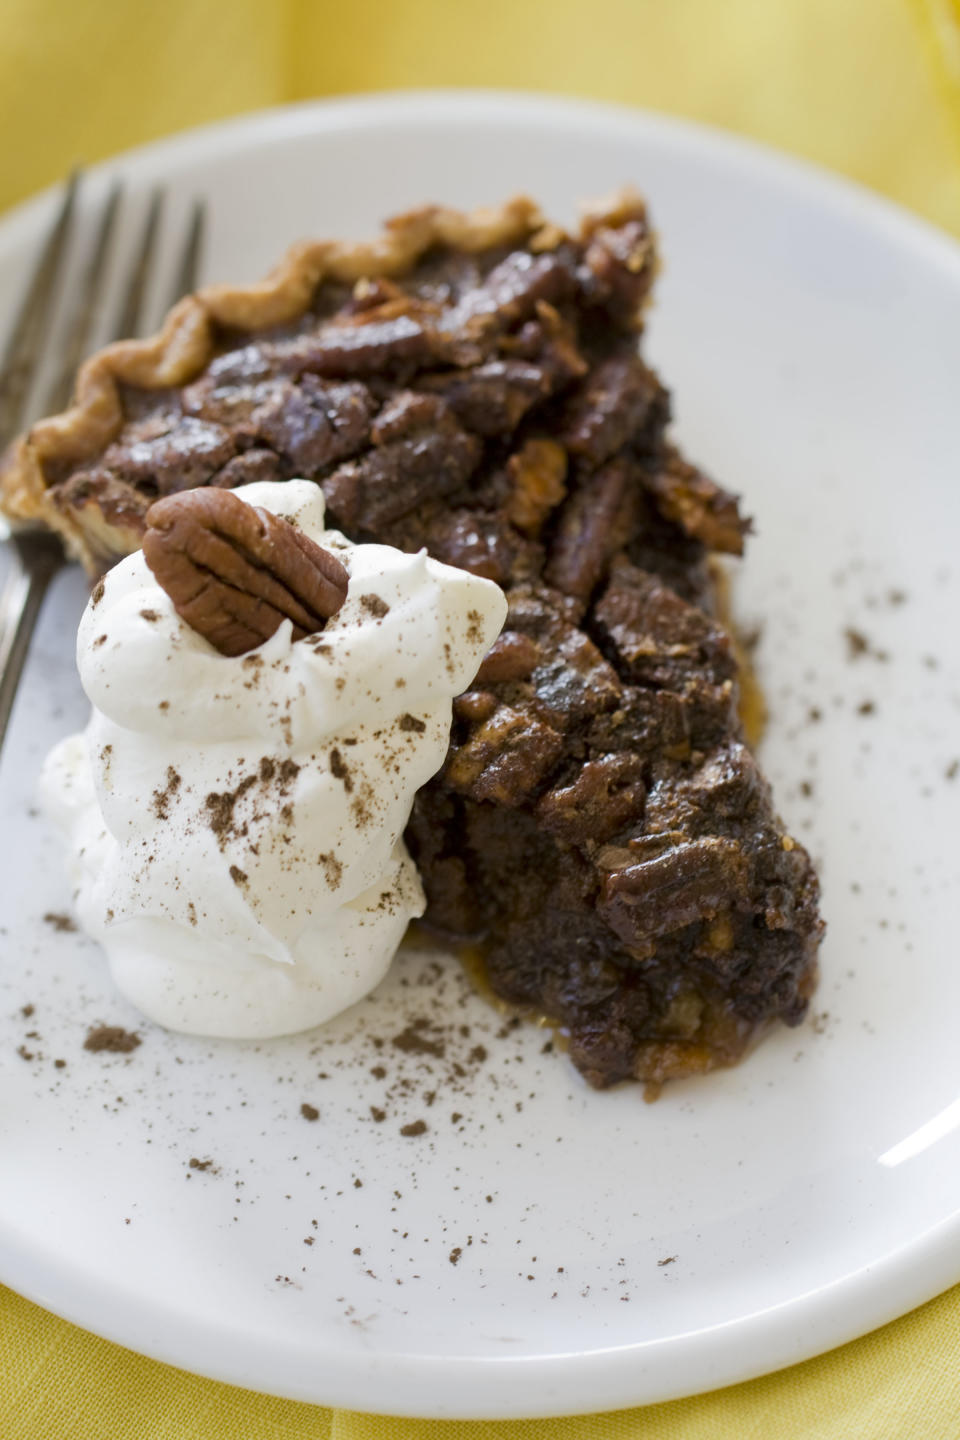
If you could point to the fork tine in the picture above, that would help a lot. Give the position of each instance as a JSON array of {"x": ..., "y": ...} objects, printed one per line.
[
  {"x": 86, "y": 307},
  {"x": 130, "y": 317},
  {"x": 37, "y": 556},
  {"x": 130, "y": 314},
  {"x": 25, "y": 342},
  {"x": 36, "y": 559},
  {"x": 188, "y": 268}
]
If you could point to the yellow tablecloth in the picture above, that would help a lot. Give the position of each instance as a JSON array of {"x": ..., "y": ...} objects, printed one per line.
[{"x": 870, "y": 87}]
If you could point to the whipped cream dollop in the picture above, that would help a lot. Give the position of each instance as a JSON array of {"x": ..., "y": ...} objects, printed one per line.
[{"x": 235, "y": 823}]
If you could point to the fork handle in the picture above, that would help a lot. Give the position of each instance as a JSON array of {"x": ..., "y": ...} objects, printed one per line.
[{"x": 34, "y": 565}]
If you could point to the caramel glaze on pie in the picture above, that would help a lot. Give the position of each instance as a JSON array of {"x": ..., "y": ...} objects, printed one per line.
[{"x": 473, "y": 384}]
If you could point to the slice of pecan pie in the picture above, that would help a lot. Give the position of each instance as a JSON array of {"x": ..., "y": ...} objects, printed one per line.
[{"x": 473, "y": 384}]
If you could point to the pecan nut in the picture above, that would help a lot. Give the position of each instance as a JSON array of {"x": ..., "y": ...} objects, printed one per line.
[
  {"x": 235, "y": 572},
  {"x": 512, "y": 656},
  {"x": 539, "y": 473}
]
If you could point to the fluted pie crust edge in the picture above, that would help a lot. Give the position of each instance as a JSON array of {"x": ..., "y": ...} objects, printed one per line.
[{"x": 186, "y": 342}]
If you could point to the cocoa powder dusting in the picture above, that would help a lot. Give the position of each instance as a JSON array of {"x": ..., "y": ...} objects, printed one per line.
[
  {"x": 339, "y": 771},
  {"x": 288, "y": 772},
  {"x": 221, "y": 808},
  {"x": 162, "y": 798},
  {"x": 332, "y": 868},
  {"x": 375, "y": 606}
]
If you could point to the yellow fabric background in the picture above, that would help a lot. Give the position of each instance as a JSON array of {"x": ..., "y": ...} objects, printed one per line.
[
  {"x": 859, "y": 85},
  {"x": 59, "y": 1383},
  {"x": 870, "y": 87}
]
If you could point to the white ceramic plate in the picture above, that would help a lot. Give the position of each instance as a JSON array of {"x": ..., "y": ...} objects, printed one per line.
[{"x": 542, "y": 1249}]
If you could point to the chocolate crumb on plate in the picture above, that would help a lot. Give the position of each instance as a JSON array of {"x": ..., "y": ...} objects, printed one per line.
[
  {"x": 111, "y": 1040},
  {"x": 415, "y": 1127},
  {"x": 857, "y": 643},
  {"x": 63, "y": 924},
  {"x": 413, "y": 1040}
]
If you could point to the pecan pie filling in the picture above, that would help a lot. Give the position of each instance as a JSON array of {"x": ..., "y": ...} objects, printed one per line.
[{"x": 474, "y": 386}]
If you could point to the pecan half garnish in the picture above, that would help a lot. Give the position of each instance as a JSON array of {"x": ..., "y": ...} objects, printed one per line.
[{"x": 235, "y": 572}]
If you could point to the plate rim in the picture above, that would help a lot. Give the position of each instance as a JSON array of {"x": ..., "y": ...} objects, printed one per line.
[
  {"x": 509, "y": 1387},
  {"x": 478, "y": 104},
  {"x": 522, "y": 1387}
]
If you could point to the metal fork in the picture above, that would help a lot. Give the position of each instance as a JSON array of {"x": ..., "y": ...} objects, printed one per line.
[{"x": 36, "y": 555}]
